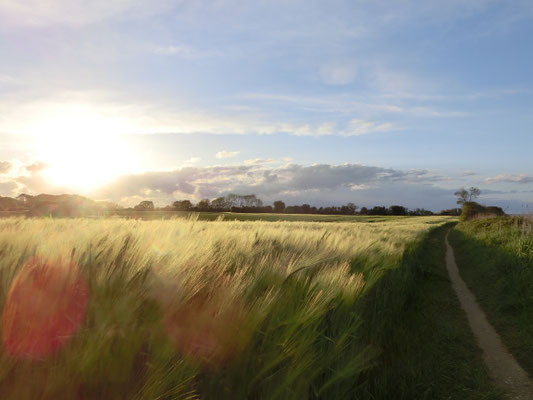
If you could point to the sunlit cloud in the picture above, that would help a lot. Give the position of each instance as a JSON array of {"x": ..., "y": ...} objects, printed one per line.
[
  {"x": 193, "y": 160},
  {"x": 227, "y": 154},
  {"x": 5, "y": 167}
]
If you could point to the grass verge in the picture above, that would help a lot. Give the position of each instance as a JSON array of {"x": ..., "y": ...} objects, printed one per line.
[{"x": 495, "y": 258}]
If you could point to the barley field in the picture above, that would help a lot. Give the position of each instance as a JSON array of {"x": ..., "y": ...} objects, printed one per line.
[{"x": 186, "y": 309}]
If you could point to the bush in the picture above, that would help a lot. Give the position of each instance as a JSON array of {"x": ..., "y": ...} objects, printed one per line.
[{"x": 471, "y": 209}]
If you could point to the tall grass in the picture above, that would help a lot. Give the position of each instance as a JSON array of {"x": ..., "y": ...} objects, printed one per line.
[{"x": 184, "y": 309}]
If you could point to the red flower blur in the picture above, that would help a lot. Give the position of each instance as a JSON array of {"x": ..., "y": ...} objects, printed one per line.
[
  {"x": 206, "y": 332},
  {"x": 45, "y": 306}
]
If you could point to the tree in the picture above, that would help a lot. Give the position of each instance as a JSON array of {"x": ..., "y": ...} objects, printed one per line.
[
  {"x": 349, "y": 209},
  {"x": 378, "y": 210},
  {"x": 219, "y": 204},
  {"x": 145, "y": 205},
  {"x": 306, "y": 208},
  {"x": 452, "y": 211},
  {"x": 247, "y": 200},
  {"x": 279, "y": 206},
  {"x": 182, "y": 205},
  {"x": 466, "y": 196},
  {"x": 398, "y": 210},
  {"x": 203, "y": 205}
]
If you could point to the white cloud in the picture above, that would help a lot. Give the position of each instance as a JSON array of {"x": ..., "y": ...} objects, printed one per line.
[
  {"x": 339, "y": 74},
  {"x": 84, "y": 113},
  {"x": 358, "y": 127},
  {"x": 227, "y": 154},
  {"x": 184, "y": 51},
  {"x": 76, "y": 12},
  {"x": 7, "y": 79},
  {"x": 511, "y": 178},
  {"x": 260, "y": 161},
  {"x": 369, "y": 105}
]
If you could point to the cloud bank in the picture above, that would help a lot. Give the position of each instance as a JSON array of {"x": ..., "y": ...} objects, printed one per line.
[{"x": 275, "y": 179}]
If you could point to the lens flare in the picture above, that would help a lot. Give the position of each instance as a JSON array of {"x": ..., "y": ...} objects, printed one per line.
[
  {"x": 45, "y": 306},
  {"x": 205, "y": 331}
]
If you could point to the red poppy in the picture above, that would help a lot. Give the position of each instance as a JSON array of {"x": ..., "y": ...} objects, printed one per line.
[{"x": 45, "y": 306}]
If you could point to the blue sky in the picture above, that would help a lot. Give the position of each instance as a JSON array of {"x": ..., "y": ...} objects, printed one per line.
[{"x": 374, "y": 102}]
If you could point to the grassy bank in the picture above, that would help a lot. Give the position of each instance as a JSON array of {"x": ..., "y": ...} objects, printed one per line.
[{"x": 495, "y": 258}]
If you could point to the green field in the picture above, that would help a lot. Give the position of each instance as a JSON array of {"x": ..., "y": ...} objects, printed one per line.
[
  {"x": 184, "y": 308},
  {"x": 229, "y": 216}
]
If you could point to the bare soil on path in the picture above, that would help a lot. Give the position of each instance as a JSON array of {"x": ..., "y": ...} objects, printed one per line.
[{"x": 502, "y": 366}]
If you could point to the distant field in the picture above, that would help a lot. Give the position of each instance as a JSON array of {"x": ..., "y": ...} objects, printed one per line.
[
  {"x": 183, "y": 309},
  {"x": 229, "y": 216}
]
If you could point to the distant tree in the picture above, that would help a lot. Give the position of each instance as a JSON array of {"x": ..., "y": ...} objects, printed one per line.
[
  {"x": 364, "y": 211},
  {"x": 145, "y": 205},
  {"x": 279, "y": 206},
  {"x": 306, "y": 209},
  {"x": 293, "y": 210},
  {"x": 248, "y": 200},
  {"x": 109, "y": 205},
  {"x": 398, "y": 210},
  {"x": 220, "y": 204},
  {"x": 378, "y": 210},
  {"x": 421, "y": 211},
  {"x": 466, "y": 196},
  {"x": 203, "y": 205},
  {"x": 348, "y": 209},
  {"x": 182, "y": 205},
  {"x": 452, "y": 211},
  {"x": 251, "y": 200}
]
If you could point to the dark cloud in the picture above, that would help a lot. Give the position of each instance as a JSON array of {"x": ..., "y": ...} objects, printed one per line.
[{"x": 319, "y": 184}]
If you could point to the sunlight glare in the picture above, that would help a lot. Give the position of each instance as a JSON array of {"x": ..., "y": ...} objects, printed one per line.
[{"x": 83, "y": 149}]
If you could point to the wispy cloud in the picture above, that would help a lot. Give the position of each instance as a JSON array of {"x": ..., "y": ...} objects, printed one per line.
[
  {"x": 184, "y": 51},
  {"x": 511, "y": 178},
  {"x": 76, "y": 12},
  {"x": 193, "y": 160},
  {"x": 371, "y": 104},
  {"x": 338, "y": 74},
  {"x": 227, "y": 154},
  {"x": 6, "y": 79},
  {"x": 358, "y": 127}
]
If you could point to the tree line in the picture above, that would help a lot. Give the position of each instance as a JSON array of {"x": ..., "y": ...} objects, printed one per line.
[{"x": 252, "y": 204}]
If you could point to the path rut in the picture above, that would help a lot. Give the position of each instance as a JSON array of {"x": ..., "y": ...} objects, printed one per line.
[{"x": 502, "y": 366}]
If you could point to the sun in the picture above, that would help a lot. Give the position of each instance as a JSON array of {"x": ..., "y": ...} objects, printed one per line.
[{"x": 82, "y": 149}]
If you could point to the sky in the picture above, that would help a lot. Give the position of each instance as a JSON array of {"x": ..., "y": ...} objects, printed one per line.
[{"x": 371, "y": 102}]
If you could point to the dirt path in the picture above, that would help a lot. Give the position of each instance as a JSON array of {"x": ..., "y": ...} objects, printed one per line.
[{"x": 503, "y": 368}]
